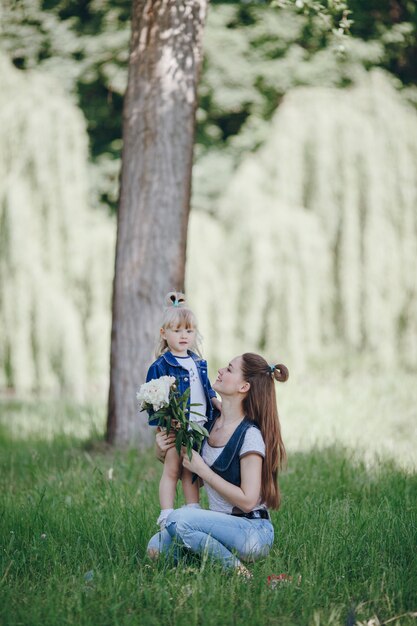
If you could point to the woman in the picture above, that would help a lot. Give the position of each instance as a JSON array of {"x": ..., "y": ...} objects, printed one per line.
[{"x": 239, "y": 468}]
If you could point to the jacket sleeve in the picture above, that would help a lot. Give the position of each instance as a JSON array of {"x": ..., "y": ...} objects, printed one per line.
[{"x": 153, "y": 372}]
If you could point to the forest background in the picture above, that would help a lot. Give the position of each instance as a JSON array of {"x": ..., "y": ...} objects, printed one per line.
[{"x": 302, "y": 241}]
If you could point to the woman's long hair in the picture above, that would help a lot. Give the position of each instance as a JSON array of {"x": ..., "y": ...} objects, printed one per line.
[{"x": 260, "y": 405}]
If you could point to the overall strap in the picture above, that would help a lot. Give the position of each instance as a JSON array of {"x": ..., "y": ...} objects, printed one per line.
[{"x": 233, "y": 446}]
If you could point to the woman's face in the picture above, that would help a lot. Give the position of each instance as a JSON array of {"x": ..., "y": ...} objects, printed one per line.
[{"x": 229, "y": 381}]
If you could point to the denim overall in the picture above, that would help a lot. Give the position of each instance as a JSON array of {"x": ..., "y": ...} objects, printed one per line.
[{"x": 227, "y": 464}]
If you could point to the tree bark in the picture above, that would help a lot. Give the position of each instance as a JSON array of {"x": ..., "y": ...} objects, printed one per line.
[{"x": 158, "y": 137}]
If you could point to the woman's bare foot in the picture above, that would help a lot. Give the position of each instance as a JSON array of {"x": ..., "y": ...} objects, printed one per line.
[{"x": 153, "y": 553}]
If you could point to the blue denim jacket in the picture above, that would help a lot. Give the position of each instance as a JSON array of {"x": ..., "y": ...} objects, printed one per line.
[
  {"x": 167, "y": 365},
  {"x": 227, "y": 464}
]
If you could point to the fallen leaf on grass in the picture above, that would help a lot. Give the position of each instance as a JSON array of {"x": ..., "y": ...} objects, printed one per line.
[{"x": 276, "y": 580}]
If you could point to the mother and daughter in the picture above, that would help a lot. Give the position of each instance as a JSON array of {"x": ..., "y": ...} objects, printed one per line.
[{"x": 239, "y": 461}]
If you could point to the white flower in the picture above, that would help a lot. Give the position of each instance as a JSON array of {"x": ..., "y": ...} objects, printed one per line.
[{"x": 155, "y": 392}]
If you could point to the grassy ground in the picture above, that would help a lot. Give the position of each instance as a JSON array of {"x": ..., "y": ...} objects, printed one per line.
[{"x": 75, "y": 519}]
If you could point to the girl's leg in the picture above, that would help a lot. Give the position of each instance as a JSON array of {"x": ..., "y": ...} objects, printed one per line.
[
  {"x": 167, "y": 485},
  {"x": 169, "y": 479},
  {"x": 224, "y": 537},
  {"x": 191, "y": 491}
]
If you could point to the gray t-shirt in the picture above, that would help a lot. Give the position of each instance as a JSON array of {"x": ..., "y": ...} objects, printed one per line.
[{"x": 253, "y": 442}]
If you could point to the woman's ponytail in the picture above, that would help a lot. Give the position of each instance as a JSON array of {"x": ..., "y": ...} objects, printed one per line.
[{"x": 281, "y": 373}]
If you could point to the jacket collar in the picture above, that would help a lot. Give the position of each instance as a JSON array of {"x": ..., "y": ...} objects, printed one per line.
[{"x": 170, "y": 358}]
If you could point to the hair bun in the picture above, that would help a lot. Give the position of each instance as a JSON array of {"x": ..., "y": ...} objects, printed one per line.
[
  {"x": 175, "y": 298},
  {"x": 281, "y": 373}
]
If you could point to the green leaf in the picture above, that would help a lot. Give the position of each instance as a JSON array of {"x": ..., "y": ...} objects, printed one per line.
[
  {"x": 160, "y": 414},
  {"x": 199, "y": 414},
  {"x": 183, "y": 399},
  {"x": 200, "y": 429},
  {"x": 178, "y": 442}
]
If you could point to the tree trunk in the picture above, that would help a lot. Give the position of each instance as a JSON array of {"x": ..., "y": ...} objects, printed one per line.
[{"x": 158, "y": 137}]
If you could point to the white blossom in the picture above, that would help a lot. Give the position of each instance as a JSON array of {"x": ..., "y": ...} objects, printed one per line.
[{"x": 155, "y": 393}]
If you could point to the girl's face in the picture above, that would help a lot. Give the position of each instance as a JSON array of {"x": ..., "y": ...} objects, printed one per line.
[
  {"x": 229, "y": 381},
  {"x": 179, "y": 339}
]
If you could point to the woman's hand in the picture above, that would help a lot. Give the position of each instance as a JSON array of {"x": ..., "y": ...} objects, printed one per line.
[
  {"x": 163, "y": 442},
  {"x": 196, "y": 465}
]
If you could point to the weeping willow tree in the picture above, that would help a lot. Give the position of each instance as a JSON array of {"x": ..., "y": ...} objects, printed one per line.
[
  {"x": 316, "y": 251},
  {"x": 55, "y": 254}
]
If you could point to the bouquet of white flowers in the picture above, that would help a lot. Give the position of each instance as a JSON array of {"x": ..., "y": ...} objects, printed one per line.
[{"x": 160, "y": 396}]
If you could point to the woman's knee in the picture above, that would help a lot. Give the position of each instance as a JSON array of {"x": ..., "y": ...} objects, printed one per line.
[
  {"x": 159, "y": 543},
  {"x": 180, "y": 522},
  {"x": 153, "y": 549},
  {"x": 172, "y": 521}
]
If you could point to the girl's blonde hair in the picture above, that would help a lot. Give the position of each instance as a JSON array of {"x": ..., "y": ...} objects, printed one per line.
[
  {"x": 260, "y": 405},
  {"x": 176, "y": 313}
]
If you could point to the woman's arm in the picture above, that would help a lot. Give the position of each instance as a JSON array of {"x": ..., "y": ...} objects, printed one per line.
[{"x": 246, "y": 497}]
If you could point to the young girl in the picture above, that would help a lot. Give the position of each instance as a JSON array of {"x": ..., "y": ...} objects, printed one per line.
[{"x": 178, "y": 355}]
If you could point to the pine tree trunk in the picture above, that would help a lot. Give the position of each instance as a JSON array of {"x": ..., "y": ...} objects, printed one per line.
[{"x": 158, "y": 136}]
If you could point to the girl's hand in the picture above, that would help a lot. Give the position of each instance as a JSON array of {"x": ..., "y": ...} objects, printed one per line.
[
  {"x": 196, "y": 465},
  {"x": 163, "y": 442}
]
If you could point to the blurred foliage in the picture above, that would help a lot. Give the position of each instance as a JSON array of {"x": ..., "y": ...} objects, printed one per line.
[
  {"x": 56, "y": 252},
  {"x": 254, "y": 53},
  {"x": 394, "y": 24},
  {"x": 314, "y": 246},
  {"x": 85, "y": 45}
]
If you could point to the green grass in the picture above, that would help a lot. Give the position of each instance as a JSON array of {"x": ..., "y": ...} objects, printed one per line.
[{"x": 73, "y": 541}]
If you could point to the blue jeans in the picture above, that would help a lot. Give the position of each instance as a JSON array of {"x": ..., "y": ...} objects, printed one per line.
[{"x": 224, "y": 537}]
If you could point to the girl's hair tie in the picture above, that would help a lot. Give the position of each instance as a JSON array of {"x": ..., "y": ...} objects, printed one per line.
[
  {"x": 271, "y": 369},
  {"x": 175, "y": 300}
]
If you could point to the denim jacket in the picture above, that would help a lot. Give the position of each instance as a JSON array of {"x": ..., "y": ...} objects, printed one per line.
[
  {"x": 227, "y": 464},
  {"x": 167, "y": 365}
]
